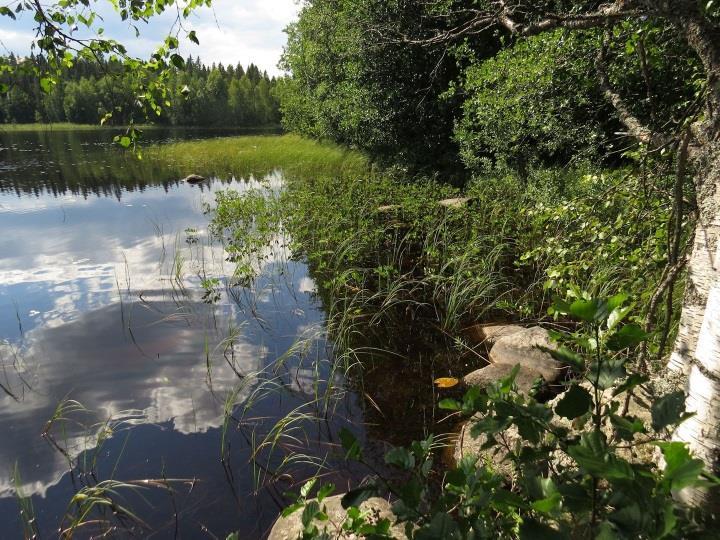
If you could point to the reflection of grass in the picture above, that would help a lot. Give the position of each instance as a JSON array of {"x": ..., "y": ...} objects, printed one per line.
[
  {"x": 258, "y": 156},
  {"x": 63, "y": 126}
]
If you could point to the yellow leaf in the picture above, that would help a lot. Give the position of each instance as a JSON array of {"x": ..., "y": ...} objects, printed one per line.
[{"x": 446, "y": 382}]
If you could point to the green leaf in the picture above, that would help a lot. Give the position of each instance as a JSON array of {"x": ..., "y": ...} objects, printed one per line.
[
  {"x": 400, "y": 457},
  {"x": 192, "y": 36},
  {"x": 616, "y": 301},
  {"x": 449, "y": 404},
  {"x": 593, "y": 457},
  {"x": 307, "y": 487},
  {"x": 324, "y": 491},
  {"x": 292, "y": 509},
  {"x": 561, "y": 306},
  {"x": 125, "y": 141},
  {"x": 355, "y": 497},
  {"x": 350, "y": 444},
  {"x": 549, "y": 504},
  {"x": 6, "y": 11},
  {"x": 46, "y": 84},
  {"x": 177, "y": 61},
  {"x": 668, "y": 410},
  {"x": 311, "y": 510},
  {"x": 586, "y": 310},
  {"x": 576, "y": 402},
  {"x": 628, "y": 336},
  {"x": 610, "y": 370},
  {"x": 669, "y": 521},
  {"x": 504, "y": 499},
  {"x": 627, "y": 427},
  {"x": 441, "y": 526},
  {"x": 566, "y": 356},
  {"x": 617, "y": 316},
  {"x": 681, "y": 470}
]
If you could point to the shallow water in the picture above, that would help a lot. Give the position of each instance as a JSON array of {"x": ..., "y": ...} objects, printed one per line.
[{"x": 107, "y": 299}]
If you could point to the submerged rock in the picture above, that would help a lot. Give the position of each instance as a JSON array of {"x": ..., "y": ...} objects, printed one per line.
[
  {"x": 524, "y": 380},
  {"x": 194, "y": 179},
  {"x": 522, "y": 348},
  {"x": 290, "y": 528}
]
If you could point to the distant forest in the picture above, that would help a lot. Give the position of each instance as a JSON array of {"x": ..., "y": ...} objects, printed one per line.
[{"x": 199, "y": 95}]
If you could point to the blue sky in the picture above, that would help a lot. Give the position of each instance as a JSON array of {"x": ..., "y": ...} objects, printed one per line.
[{"x": 231, "y": 31}]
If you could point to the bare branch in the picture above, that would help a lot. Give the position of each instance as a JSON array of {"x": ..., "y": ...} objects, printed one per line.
[
  {"x": 635, "y": 127},
  {"x": 606, "y": 15}
]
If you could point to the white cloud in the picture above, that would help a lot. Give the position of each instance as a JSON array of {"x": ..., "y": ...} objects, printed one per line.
[{"x": 231, "y": 31}]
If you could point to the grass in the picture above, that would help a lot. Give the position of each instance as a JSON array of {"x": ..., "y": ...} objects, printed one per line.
[{"x": 258, "y": 156}]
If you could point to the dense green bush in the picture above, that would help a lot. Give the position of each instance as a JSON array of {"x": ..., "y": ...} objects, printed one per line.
[
  {"x": 533, "y": 102},
  {"x": 514, "y": 246}
]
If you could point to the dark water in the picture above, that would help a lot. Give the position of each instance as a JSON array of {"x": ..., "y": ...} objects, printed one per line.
[{"x": 115, "y": 298}]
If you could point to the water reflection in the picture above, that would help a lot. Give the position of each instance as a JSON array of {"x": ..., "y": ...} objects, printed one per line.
[
  {"x": 86, "y": 163},
  {"x": 104, "y": 300}
]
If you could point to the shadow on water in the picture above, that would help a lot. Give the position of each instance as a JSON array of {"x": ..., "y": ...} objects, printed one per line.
[{"x": 123, "y": 308}]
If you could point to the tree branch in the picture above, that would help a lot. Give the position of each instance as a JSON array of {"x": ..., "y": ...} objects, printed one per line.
[
  {"x": 606, "y": 15},
  {"x": 635, "y": 128}
]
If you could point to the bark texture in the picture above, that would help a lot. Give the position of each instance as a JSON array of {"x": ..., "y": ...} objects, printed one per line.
[{"x": 697, "y": 349}]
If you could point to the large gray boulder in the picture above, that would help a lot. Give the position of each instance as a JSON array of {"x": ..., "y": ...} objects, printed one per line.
[
  {"x": 522, "y": 347},
  {"x": 290, "y": 528},
  {"x": 524, "y": 380},
  {"x": 488, "y": 334}
]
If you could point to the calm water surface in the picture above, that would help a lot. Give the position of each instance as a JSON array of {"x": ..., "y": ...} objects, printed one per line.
[{"x": 114, "y": 295}]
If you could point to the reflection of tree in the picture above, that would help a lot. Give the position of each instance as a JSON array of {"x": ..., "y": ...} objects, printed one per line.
[{"x": 83, "y": 163}]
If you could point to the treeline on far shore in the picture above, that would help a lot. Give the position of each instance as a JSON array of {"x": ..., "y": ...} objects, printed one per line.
[{"x": 198, "y": 95}]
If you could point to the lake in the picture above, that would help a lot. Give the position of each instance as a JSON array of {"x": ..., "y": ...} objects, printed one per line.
[
  {"x": 136, "y": 369},
  {"x": 105, "y": 307}
]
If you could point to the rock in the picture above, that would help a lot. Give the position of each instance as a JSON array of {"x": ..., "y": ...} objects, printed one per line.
[
  {"x": 524, "y": 380},
  {"x": 522, "y": 348},
  {"x": 388, "y": 208},
  {"x": 489, "y": 333},
  {"x": 466, "y": 445},
  {"x": 633, "y": 454},
  {"x": 290, "y": 528},
  {"x": 194, "y": 179},
  {"x": 457, "y": 202}
]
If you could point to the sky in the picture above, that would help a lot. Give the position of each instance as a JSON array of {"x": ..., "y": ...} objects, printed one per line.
[{"x": 231, "y": 31}]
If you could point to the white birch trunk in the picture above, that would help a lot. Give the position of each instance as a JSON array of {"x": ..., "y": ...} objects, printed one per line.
[{"x": 697, "y": 349}]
